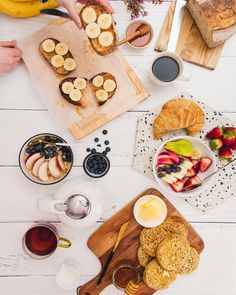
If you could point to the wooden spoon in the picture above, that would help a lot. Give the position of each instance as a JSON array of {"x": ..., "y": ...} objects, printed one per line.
[{"x": 141, "y": 31}]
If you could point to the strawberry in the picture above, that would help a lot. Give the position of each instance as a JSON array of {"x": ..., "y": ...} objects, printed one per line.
[
  {"x": 229, "y": 138},
  {"x": 173, "y": 156},
  {"x": 215, "y": 133},
  {"x": 191, "y": 172},
  {"x": 205, "y": 163},
  {"x": 216, "y": 144},
  {"x": 196, "y": 165},
  {"x": 233, "y": 129},
  {"x": 178, "y": 185},
  {"x": 192, "y": 183},
  {"x": 166, "y": 161},
  {"x": 233, "y": 146},
  {"x": 226, "y": 154}
]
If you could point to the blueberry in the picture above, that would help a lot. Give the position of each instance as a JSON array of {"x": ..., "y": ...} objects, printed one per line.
[
  {"x": 106, "y": 142},
  {"x": 91, "y": 170},
  {"x": 160, "y": 175},
  {"x": 104, "y": 153},
  {"x": 98, "y": 145},
  {"x": 93, "y": 151},
  {"x": 96, "y": 139},
  {"x": 47, "y": 138},
  {"x": 168, "y": 170},
  {"x": 175, "y": 166},
  {"x": 181, "y": 160},
  {"x": 28, "y": 150},
  {"x": 47, "y": 156},
  {"x": 178, "y": 169},
  {"x": 104, "y": 132},
  {"x": 108, "y": 149},
  {"x": 165, "y": 167},
  {"x": 88, "y": 150},
  {"x": 59, "y": 140}
]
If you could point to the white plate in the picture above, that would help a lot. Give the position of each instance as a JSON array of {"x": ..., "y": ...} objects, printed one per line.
[
  {"x": 206, "y": 152},
  {"x": 153, "y": 223}
]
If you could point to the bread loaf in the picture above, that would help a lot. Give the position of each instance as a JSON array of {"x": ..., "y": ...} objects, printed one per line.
[{"x": 216, "y": 19}]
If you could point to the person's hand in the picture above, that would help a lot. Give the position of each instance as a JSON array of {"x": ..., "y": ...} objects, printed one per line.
[
  {"x": 9, "y": 55},
  {"x": 70, "y": 5}
]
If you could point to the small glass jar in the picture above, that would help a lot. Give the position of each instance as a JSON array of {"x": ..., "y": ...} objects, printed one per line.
[{"x": 124, "y": 274}]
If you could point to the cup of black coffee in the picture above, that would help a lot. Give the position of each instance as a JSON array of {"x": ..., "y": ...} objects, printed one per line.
[{"x": 166, "y": 68}]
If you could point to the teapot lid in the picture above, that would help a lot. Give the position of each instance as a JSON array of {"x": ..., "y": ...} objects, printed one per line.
[{"x": 78, "y": 206}]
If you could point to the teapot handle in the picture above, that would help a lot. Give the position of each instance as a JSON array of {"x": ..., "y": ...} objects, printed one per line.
[{"x": 52, "y": 206}]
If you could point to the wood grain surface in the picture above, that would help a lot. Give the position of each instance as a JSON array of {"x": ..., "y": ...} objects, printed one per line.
[
  {"x": 190, "y": 45},
  {"x": 102, "y": 241},
  {"x": 81, "y": 121}
]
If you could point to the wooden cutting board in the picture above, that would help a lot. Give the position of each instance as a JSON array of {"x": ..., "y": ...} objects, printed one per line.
[
  {"x": 81, "y": 121},
  {"x": 190, "y": 45},
  {"x": 102, "y": 241}
]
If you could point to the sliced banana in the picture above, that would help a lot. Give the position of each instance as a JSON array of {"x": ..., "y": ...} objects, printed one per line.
[
  {"x": 80, "y": 83},
  {"x": 69, "y": 64},
  {"x": 98, "y": 81},
  {"x": 89, "y": 15},
  {"x": 48, "y": 45},
  {"x": 101, "y": 95},
  {"x": 104, "y": 21},
  {"x": 197, "y": 153},
  {"x": 75, "y": 95},
  {"x": 57, "y": 61},
  {"x": 109, "y": 85},
  {"x": 67, "y": 87},
  {"x": 61, "y": 48},
  {"x": 106, "y": 39},
  {"x": 93, "y": 30}
]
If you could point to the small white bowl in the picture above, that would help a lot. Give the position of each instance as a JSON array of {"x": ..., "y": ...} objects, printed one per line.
[
  {"x": 151, "y": 33},
  {"x": 206, "y": 152},
  {"x": 153, "y": 223}
]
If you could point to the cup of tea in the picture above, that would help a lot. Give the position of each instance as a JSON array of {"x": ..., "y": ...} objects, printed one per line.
[
  {"x": 42, "y": 240},
  {"x": 166, "y": 68}
]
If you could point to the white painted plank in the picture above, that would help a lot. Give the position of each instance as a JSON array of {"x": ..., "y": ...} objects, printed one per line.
[
  {"x": 19, "y": 196},
  {"x": 17, "y": 126},
  {"x": 215, "y": 275}
]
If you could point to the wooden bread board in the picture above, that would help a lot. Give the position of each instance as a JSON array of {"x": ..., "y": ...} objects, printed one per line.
[
  {"x": 81, "y": 121},
  {"x": 190, "y": 45},
  {"x": 102, "y": 241}
]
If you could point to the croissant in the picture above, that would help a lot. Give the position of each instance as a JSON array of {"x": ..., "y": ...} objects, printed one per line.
[{"x": 177, "y": 114}]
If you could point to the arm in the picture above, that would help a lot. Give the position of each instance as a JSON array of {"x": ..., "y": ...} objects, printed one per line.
[
  {"x": 10, "y": 55},
  {"x": 70, "y": 5}
]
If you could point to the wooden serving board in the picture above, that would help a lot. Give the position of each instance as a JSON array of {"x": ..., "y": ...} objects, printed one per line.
[
  {"x": 190, "y": 45},
  {"x": 81, "y": 121},
  {"x": 102, "y": 241}
]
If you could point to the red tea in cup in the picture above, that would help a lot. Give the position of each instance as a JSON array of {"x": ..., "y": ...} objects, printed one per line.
[{"x": 42, "y": 240}]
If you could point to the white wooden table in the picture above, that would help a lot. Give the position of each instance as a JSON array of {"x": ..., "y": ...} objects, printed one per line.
[{"x": 22, "y": 115}]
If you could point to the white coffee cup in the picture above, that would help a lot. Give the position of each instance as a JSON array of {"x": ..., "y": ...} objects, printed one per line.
[{"x": 180, "y": 76}]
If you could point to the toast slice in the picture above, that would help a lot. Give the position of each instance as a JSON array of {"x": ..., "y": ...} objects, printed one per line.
[
  {"x": 49, "y": 55},
  {"x": 90, "y": 14},
  {"x": 104, "y": 87},
  {"x": 72, "y": 92}
]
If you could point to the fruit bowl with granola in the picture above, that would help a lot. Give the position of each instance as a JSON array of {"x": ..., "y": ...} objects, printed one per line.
[{"x": 182, "y": 163}]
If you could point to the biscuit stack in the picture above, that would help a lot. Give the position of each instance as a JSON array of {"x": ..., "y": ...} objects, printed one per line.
[{"x": 166, "y": 252}]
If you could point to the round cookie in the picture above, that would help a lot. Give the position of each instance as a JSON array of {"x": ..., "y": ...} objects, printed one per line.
[
  {"x": 143, "y": 257},
  {"x": 191, "y": 263},
  {"x": 176, "y": 225},
  {"x": 172, "y": 252},
  {"x": 150, "y": 238},
  {"x": 156, "y": 277}
]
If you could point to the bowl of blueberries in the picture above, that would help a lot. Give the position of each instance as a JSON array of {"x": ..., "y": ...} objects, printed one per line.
[
  {"x": 42, "y": 159},
  {"x": 96, "y": 164}
]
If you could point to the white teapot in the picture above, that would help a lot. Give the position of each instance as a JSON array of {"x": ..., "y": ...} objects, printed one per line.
[{"x": 79, "y": 203}]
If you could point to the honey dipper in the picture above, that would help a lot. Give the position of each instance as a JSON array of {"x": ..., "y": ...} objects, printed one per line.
[
  {"x": 141, "y": 31},
  {"x": 131, "y": 288}
]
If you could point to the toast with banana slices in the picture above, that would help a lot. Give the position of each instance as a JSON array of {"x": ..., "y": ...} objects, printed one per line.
[
  {"x": 72, "y": 90},
  {"x": 57, "y": 54},
  {"x": 104, "y": 87},
  {"x": 99, "y": 27}
]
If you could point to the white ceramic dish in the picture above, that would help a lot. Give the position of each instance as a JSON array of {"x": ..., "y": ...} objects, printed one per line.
[
  {"x": 153, "y": 223},
  {"x": 151, "y": 33},
  {"x": 206, "y": 152}
]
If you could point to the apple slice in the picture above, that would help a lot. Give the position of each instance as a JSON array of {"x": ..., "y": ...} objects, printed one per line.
[
  {"x": 31, "y": 160},
  {"x": 37, "y": 164},
  {"x": 61, "y": 163},
  {"x": 43, "y": 172},
  {"x": 53, "y": 168}
]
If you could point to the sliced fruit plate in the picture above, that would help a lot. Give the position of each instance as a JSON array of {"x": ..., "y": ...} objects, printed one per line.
[
  {"x": 43, "y": 161},
  {"x": 181, "y": 164}
]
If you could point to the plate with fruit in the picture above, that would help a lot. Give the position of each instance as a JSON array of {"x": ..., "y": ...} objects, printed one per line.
[
  {"x": 43, "y": 160},
  {"x": 182, "y": 163}
]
